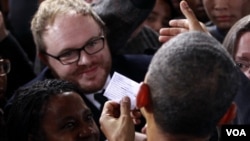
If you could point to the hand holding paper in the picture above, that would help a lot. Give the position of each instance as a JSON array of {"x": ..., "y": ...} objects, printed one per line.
[{"x": 121, "y": 86}]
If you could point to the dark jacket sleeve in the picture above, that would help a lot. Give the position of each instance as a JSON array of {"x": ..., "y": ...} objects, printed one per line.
[
  {"x": 122, "y": 17},
  {"x": 242, "y": 101},
  {"x": 21, "y": 67}
]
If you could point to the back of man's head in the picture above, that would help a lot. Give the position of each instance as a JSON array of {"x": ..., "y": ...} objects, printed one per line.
[{"x": 192, "y": 82}]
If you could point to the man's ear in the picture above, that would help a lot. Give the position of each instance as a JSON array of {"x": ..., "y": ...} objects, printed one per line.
[
  {"x": 230, "y": 115},
  {"x": 143, "y": 99}
]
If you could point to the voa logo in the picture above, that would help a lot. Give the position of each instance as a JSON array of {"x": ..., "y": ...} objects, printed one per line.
[{"x": 236, "y": 132}]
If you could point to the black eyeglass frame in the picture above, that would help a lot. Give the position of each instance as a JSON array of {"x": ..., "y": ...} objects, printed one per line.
[{"x": 102, "y": 38}]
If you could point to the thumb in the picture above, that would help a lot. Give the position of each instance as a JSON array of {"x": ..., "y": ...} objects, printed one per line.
[
  {"x": 125, "y": 106},
  {"x": 189, "y": 14}
]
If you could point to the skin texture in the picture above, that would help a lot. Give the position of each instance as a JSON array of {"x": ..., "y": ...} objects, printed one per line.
[
  {"x": 198, "y": 8},
  {"x": 182, "y": 25},
  {"x": 123, "y": 120},
  {"x": 64, "y": 121},
  {"x": 91, "y": 71},
  {"x": 224, "y": 13},
  {"x": 242, "y": 54}
]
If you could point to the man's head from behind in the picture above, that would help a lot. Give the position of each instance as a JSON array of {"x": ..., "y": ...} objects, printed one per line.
[{"x": 192, "y": 82}]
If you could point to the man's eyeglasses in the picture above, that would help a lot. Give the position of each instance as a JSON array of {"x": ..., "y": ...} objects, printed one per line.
[
  {"x": 4, "y": 67},
  {"x": 72, "y": 56},
  {"x": 243, "y": 65}
]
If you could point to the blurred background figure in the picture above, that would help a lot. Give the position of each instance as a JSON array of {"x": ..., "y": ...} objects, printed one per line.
[
  {"x": 22, "y": 68},
  {"x": 223, "y": 14},
  {"x": 161, "y": 14},
  {"x": 197, "y": 7},
  {"x": 4, "y": 70},
  {"x": 19, "y": 18},
  {"x": 144, "y": 39},
  {"x": 237, "y": 44}
]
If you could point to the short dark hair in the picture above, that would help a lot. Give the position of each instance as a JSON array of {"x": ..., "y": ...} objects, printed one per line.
[
  {"x": 28, "y": 107},
  {"x": 192, "y": 81}
]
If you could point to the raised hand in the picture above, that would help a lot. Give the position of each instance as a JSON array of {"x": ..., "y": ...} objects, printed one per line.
[
  {"x": 116, "y": 122},
  {"x": 178, "y": 26}
]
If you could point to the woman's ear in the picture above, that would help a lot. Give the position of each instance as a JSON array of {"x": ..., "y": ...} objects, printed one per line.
[
  {"x": 143, "y": 98},
  {"x": 230, "y": 115}
]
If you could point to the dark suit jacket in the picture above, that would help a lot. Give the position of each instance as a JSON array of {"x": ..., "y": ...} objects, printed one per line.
[
  {"x": 242, "y": 101},
  {"x": 216, "y": 33},
  {"x": 121, "y": 17},
  {"x": 21, "y": 67},
  {"x": 132, "y": 66}
]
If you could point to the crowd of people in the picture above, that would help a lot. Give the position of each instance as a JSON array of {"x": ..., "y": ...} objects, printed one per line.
[{"x": 57, "y": 57}]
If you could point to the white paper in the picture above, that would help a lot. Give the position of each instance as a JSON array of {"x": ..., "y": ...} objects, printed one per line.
[{"x": 120, "y": 86}]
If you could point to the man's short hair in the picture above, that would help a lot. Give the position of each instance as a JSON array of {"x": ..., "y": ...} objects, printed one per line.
[
  {"x": 49, "y": 9},
  {"x": 193, "y": 80}
]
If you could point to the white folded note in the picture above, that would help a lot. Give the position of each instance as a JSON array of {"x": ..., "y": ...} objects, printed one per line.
[{"x": 121, "y": 86}]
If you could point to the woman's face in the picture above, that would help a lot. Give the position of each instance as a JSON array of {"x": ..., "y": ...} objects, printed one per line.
[
  {"x": 224, "y": 13},
  {"x": 67, "y": 118},
  {"x": 160, "y": 16},
  {"x": 242, "y": 54}
]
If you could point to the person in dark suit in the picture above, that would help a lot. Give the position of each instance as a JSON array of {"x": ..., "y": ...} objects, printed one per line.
[
  {"x": 76, "y": 45},
  {"x": 21, "y": 67},
  {"x": 18, "y": 18}
]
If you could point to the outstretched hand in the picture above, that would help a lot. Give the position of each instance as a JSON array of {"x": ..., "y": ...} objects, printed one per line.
[
  {"x": 116, "y": 122},
  {"x": 178, "y": 26}
]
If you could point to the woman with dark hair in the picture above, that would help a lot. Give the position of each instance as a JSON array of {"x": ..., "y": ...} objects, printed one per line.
[
  {"x": 50, "y": 110},
  {"x": 237, "y": 43}
]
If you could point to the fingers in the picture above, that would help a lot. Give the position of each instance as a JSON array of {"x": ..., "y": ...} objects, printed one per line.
[
  {"x": 144, "y": 129},
  {"x": 182, "y": 23},
  {"x": 140, "y": 137},
  {"x": 109, "y": 110},
  {"x": 164, "y": 39},
  {"x": 168, "y": 33},
  {"x": 117, "y": 126},
  {"x": 136, "y": 116},
  {"x": 189, "y": 14},
  {"x": 125, "y": 106},
  {"x": 114, "y": 110},
  {"x": 172, "y": 31}
]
